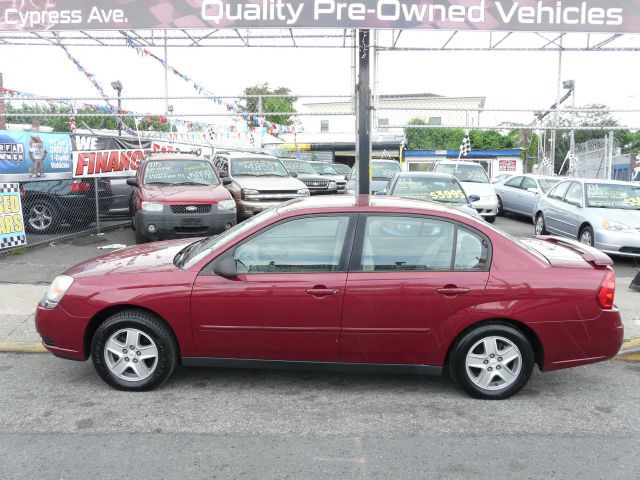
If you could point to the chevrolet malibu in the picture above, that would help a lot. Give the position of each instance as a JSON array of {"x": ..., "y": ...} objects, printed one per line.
[{"x": 341, "y": 283}]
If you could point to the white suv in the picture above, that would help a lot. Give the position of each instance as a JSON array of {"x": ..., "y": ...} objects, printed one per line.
[{"x": 475, "y": 181}]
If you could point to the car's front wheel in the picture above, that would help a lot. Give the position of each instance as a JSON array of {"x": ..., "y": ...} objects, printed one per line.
[
  {"x": 134, "y": 350},
  {"x": 492, "y": 361},
  {"x": 541, "y": 228},
  {"x": 586, "y": 236}
]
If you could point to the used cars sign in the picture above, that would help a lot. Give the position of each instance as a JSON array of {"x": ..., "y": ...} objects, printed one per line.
[{"x": 615, "y": 16}]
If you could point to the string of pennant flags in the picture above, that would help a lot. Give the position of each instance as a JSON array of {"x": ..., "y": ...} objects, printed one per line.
[{"x": 272, "y": 128}]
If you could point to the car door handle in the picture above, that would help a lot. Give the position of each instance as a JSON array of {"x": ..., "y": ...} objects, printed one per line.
[
  {"x": 452, "y": 291},
  {"x": 322, "y": 292}
]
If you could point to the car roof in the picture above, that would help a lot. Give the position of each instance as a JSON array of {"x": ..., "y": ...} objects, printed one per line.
[
  {"x": 360, "y": 203},
  {"x": 164, "y": 156},
  {"x": 595, "y": 180},
  {"x": 248, "y": 155},
  {"x": 434, "y": 175},
  {"x": 455, "y": 162}
]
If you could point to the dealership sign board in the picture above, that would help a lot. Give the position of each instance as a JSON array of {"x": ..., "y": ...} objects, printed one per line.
[
  {"x": 614, "y": 16},
  {"x": 34, "y": 156}
]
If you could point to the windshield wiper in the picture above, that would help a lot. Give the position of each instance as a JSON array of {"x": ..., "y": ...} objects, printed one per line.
[
  {"x": 192, "y": 183},
  {"x": 181, "y": 257},
  {"x": 159, "y": 183}
]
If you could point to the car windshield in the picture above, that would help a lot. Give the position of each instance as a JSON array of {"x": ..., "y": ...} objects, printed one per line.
[
  {"x": 180, "y": 172},
  {"x": 257, "y": 167},
  {"x": 384, "y": 170},
  {"x": 547, "y": 184},
  {"x": 203, "y": 248},
  {"x": 611, "y": 195},
  {"x": 324, "y": 168},
  {"x": 437, "y": 189},
  {"x": 341, "y": 169},
  {"x": 464, "y": 173},
  {"x": 299, "y": 167}
]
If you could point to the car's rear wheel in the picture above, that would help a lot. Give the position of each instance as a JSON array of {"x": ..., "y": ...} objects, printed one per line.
[
  {"x": 586, "y": 236},
  {"x": 500, "y": 208},
  {"x": 492, "y": 361},
  {"x": 134, "y": 350},
  {"x": 42, "y": 217},
  {"x": 541, "y": 228}
]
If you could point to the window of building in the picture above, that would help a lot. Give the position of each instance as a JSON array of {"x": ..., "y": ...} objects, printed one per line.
[{"x": 324, "y": 125}]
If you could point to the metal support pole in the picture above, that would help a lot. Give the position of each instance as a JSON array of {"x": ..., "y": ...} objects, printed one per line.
[
  {"x": 166, "y": 76},
  {"x": 119, "y": 110},
  {"x": 572, "y": 147},
  {"x": 95, "y": 186},
  {"x": 556, "y": 116},
  {"x": 3, "y": 119},
  {"x": 610, "y": 153},
  {"x": 364, "y": 113}
]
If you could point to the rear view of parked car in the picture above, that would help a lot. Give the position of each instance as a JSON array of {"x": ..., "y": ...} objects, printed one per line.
[
  {"x": 600, "y": 213},
  {"x": 475, "y": 181},
  {"x": 49, "y": 204},
  {"x": 519, "y": 194},
  {"x": 382, "y": 171}
]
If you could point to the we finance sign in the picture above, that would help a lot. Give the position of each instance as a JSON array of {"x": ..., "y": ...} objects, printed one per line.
[{"x": 613, "y": 16}]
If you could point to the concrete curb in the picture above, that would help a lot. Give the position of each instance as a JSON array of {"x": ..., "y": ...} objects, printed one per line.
[{"x": 630, "y": 351}]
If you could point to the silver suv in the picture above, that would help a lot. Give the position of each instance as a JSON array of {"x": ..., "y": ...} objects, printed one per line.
[{"x": 258, "y": 182}]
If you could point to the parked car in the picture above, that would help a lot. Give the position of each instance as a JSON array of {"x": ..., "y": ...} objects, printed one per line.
[
  {"x": 328, "y": 172},
  {"x": 475, "y": 181},
  {"x": 258, "y": 182},
  {"x": 342, "y": 169},
  {"x": 382, "y": 171},
  {"x": 519, "y": 194},
  {"x": 600, "y": 213},
  {"x": 122, "y": 191},
  {"x": 179, "y": 195},
  {"x": 341, "y": 283},
  {"x": 48, "y": 204},
  {"x": 502, "y": 177},
  {"x": 316, "y": 183},
  {"x": 436, "y": 187}
]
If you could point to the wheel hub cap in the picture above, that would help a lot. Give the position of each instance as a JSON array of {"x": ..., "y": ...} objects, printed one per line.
[
  {"x": 131, "y": 354},
  {"x": 493, "y": 363}
]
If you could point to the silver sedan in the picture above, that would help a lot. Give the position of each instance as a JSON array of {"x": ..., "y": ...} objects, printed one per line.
[
  {"x": 601, "y": 213},
  {"x": 519, "y": 194}
]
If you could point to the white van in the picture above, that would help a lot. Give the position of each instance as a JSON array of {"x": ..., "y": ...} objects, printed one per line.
[{"x": 475, "y": 181}]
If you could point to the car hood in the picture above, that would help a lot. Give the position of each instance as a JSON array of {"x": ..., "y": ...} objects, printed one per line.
[
  {"x": 186, "y": 193},
  {"x": 269, "y": 183},
  {"x": 152, "y": 257},
  {"x": 313, "y": 177},
  {"x": 631, "y": 218},
  {"x": 480, "y": 189}
]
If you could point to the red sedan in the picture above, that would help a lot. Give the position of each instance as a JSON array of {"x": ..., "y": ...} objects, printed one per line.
[{"x": 344, "y": 283}]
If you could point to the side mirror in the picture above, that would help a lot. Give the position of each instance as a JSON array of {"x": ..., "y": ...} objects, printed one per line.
[
  {"x": 226, "y": 267},
  {"x": 381, "y": 194},
  {"x": 474, "y": 198},
  {"x": 575, "y": 204},
  {"x": 533, "y": 190},
  {"x": 132, "y": 182},
  {"x": 226, "y": 181},
  {"x": 347, "y": 176},
  {"x": 294, "y": 174},
  {"x": 224, "y": 174}
]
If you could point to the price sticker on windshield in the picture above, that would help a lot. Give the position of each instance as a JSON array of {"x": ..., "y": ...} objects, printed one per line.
[
  {"x": 632, "y": 201},
  {"x": 447, "y": 194}
]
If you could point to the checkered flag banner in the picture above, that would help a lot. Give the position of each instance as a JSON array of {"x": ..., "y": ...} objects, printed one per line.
[
  {"x": 546, "y": 162},
  {"x": 11, "y": 229},
  {"x": 465, "y": 146}
]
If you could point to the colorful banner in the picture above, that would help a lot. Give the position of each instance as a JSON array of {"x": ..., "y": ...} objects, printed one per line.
[
  {"x": 612, "y": 16},
  {"x": 34, "y": 156},
  {"x": 12, "y": 232}
]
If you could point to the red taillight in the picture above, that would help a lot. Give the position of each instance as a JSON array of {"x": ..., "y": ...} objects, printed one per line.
[
  {"x": 79, "y": 186},
  {"x": 607, "y": 290}
]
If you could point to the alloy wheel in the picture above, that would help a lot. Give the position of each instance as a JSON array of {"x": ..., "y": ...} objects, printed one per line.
[
  {"x": 131, "y": 355},
  {"x": 40, "y": 217},
  {"x": 493, "y": 363},
  {"x": 540, "y": 225},
  {"x": 585, "y": 237}
]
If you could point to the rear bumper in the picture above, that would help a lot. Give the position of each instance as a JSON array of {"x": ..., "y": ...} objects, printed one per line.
[
  {"x": 63, "y": 334},
  {"x": 580, "y": 342},
  {"x": 169, "y": 225}
]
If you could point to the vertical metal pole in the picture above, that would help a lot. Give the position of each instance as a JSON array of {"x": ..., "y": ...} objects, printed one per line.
[
  {"x": 119, "y": 110},
  {"x": 610, "y": 153},
  {"x": 166, "y": 76},
  {"x": 556, "y": 116},
  {"x": 572, "y": 148},
  {"x": 3, "y": 120},
  {"x": 95, "y": 186},
  {"x": 364, "y": 112}
]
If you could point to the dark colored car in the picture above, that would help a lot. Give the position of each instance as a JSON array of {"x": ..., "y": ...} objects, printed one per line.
[
  {"x": 177, "y": 195},
  {"x": 342, "y": 169},
  {"x": 341, "y": 283},
  {"x": 316, "y": 183},
  {"x": 327, "y": 171},
  {"x": 48, "y": 204}
]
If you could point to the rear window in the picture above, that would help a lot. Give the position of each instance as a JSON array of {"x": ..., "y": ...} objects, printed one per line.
[
  {"x": 464, "y": 173},
  {"x": 180, "y": 172}
]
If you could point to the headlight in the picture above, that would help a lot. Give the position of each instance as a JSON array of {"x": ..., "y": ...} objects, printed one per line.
[
  {"x": 247, "y": 192},
  {"x": 616, "y": 227},
  {"x": 152, "y": 207},
  {"x": 489, "y": 198},
  {"x": 303, "y": 192},
  {"x": 56, "y": 291},
  {"x": 226, "y": 205},
  {"x": 332, "y": 185},
  {"x": 351, "y": 192}
]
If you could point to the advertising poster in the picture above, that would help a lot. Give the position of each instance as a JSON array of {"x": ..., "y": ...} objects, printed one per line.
[
  {"x": 508, "y": 165},
  {"x": 27, "y": 156},
  {"x": 12, "y": 232}
]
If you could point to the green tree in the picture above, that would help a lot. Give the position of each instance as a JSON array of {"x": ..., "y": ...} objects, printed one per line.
[
  {"x": 271, "y": 105},
  {"x": 451, "y": 138}
]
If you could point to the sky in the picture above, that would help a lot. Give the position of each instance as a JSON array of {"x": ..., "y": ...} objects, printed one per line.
[{"x": 524, "y": 80}]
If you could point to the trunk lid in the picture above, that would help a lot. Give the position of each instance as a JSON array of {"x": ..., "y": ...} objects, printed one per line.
[{"x": 563, "y": 252}]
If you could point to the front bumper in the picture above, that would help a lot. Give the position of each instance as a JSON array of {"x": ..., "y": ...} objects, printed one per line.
[
  {"x": 249, "y": 208},
  {"x": 486, "y": 209},
  {"x": 169, "y": 225},
  {"x": 62, "y": 334},
  {"x": 618, "y": 243}
]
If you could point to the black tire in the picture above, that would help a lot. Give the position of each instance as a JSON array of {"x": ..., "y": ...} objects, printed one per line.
[
  {"x": 464, "y": 344},
  {"x": 139, "y": 233},
  {"x": 152, "y": 327},
  {"x": 34, "y": 216},
  {"x": 500, "y": 208},
  {"x": 490, "y": 219},
  {"x": 586, "y": 236},
  {"x": 540, "y": 229}
]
